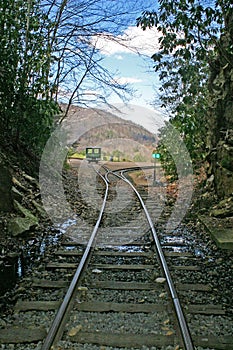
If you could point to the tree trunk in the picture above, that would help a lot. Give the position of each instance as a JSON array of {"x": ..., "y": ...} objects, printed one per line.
[{"x": 221, "y": 115}]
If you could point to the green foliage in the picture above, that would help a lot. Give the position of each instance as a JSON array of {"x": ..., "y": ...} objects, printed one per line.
[
  {"x": 49, "y": 47},
  {"x": 117, "y": 155},
  {"x": 174, "y": 155},
  {"x": 168, "y": 163},
  {"x": 226, "y": 162},
  {"x": 26, "y": 106},
  {"x": 36, "y": 122},
  {"x": 189, "y": 44},
  {"x": 138, "y": 157},
  {"x": 72, "y": 153}
]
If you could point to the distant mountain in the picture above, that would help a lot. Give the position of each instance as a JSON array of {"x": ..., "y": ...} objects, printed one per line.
[
  {"x": 116, "y": 136},
  {"x": 151, "y": 119}
]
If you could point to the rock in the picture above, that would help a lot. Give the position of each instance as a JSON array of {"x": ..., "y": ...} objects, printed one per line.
[
  {"x": 160, "y": 280},
  {"x": 41, "y": 211},
  {"x": 229, "y": 137},
  {"x": 224, "y": 182},
  {"x": 6, "y": 201},
  {"x": 210, "y": 179},
  {"x": 19, "y": 225},
  {"x": 19, "y": 185},
  {"x": 221, "y": 213},
  {"x": 83, "y": 289},
  {"x": 31, "y": 179},
  {"x": 96, "y": 271},
  {"x": 21, "y": 290},
  {"x": 223, "y": 209},
  {"x": 16, "y": 194},
  {"x": 13, "y": 255},
  {"x": 2, "y": 323}
]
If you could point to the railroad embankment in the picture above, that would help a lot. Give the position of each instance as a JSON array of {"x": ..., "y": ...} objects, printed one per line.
[
  {"x": 221, "y": 230},
  {"x": 21, "y": 211},
  {"x": 20, "y": 206},
  {"x": 217, "y": 216}
]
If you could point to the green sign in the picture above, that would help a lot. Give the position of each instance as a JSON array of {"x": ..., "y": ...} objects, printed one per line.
[{"x": 156, "y": 155}]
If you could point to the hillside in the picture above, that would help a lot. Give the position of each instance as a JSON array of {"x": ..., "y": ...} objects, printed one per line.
[{"x": 118, "y": 137}]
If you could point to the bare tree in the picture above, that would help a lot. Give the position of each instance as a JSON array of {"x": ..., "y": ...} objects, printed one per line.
[{"x": 77, "y": 73}]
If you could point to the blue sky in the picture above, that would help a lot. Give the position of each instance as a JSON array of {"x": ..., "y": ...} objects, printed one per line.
[
  {"x": 137, "y": 72},
  {"x": 128, "y": 56},
  {"x": 125, "y": 51}
]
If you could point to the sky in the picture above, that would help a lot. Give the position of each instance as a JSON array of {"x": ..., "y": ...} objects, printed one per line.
[
  {"x": 129, "y": 57},
  {"x": 133, "y": 64},
  {"x": 124, "y": 50}
]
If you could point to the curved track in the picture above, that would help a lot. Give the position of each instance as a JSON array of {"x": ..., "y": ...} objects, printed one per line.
[
  {"x": 102, "y": 292},
  {"x": 176, "y": 303},
  {"x": 58, "y": 321}
]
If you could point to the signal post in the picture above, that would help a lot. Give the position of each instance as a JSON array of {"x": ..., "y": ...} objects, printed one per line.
[{"x": 155, "y": 155}]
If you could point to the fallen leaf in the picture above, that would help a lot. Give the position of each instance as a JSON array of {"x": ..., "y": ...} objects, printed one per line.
[
  {"x": 163, "y": 295},
  {"x": 83, "y": 288},
  {"x": 75, "y": 330},
  {"x": 169, "y": 333}
]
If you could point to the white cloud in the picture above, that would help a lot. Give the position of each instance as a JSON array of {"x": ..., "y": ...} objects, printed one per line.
[
  {"x": 127, "y": 80},
  {"x": 119, "y": 57},
  {"x": 133, "y": 40}
]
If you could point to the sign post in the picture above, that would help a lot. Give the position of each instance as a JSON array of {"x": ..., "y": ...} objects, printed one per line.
[{"x": 155, "y": 155}]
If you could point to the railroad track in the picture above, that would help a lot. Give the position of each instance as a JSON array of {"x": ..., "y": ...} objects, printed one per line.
[{"x": 109, "y": 293}]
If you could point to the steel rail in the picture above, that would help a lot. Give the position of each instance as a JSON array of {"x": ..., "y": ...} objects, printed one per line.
[
  {"x": 187, "y": 340},
  {"x": 53, "y": 331}
]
